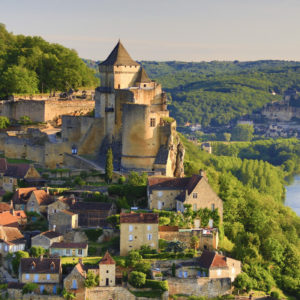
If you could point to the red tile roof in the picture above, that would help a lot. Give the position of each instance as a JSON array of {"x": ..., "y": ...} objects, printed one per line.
[
  {"x": 147, "y": 218},
  {"x": 4, "y": 207},
  {"x": 10, "y": 234},
  {"x": 7, "y": 219},
  {"x": 166, "y": 228},
  {"x": 107, "y": 260},
  {"x": 210, "y": 259},
  {"x": 40, "y": 265},
  {"x": 22, "y": 195},
  {"x": 69, "y": 245},
  {"x": 42, "y": 197}
]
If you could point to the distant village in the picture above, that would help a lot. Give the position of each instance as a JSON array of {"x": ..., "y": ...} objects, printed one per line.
[{"x": 66, "y": 231}]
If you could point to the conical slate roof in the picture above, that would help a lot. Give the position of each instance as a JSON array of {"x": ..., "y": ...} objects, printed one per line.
[
  {"x": 142, "y": 76},
  {"x": 119, "y": 56}
]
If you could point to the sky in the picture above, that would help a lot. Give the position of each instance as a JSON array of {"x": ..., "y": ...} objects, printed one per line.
[{"x": 186, "y": 30}]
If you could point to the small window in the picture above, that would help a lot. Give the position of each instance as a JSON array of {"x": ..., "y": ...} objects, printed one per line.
[
  {"x": 195, "y": 195},
  {"x": 67, "y": 251},
  {"x": 152, "y": 122},
  {"x": 107, "y": 271},
  {"x": 148, "y": 227},
  {"x": 36, "y": 277},
  {"x": 195, "y": 207},
  {"x": 130, "y": 228},
  {"x": 48, "y": 276},
  {"x": 212, "y": 207},
  {"x": 27, "y": 276},
  {"x": 149, "y": 237},
  {"x": 130, "y": 238},
  {"x": 145, "y": 85},
  {"x": 119, "y": 86},
  {"x": 79, "y": 251}
]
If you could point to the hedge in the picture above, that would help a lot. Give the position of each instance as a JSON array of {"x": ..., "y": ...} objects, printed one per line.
[{"x": 157, "y": 285}]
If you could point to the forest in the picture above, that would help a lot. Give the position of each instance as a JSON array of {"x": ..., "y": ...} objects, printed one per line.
[
  {"x": 30, "y": 65},
  {"x": 258, "y": 229}
]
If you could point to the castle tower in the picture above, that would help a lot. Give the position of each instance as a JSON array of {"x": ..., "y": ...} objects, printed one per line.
[{"x": 107, "y": 271}]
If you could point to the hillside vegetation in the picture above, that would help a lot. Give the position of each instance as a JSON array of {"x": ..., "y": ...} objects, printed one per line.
[
  {"x": 31, "y": 65},
  {"x": 259, "y": 230}
]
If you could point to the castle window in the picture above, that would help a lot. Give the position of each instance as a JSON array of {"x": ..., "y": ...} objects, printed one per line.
[
  {"x": 152, "y": 122},
  {"x": 119, "y": 86},
  {"x": 145, "y": 85},
  {"x": 195, "y": 195}
]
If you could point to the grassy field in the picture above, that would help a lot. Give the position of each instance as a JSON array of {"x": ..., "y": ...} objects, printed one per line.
[{"x": 89, "y": 260}]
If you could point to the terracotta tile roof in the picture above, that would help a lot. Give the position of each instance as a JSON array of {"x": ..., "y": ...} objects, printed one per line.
[
  {"x": 69, "y": 245},
  {"x": 80, "y": 269},
  {"x": 7, "y": 219},
  {"x": 4, "y": 207},
  {"x": 166, "y": 228},
  {"x": 22, "y": 195},
  {"x": 10, "y": 234},
  {"x": 147, "y": 218},
  {"x": 107, "y": 260},
  {"x": 3, "y": 165},
  {"x": 20, "y": 214},
  {"x": 210, "y": 259},
  {"x": 17, "y": 170},
  {"x": 42, "y": 197},
  {"x": 156, "y": 183},
  {"x": 120, "y": 57},
  {"x": 51, "y": 234},
  {"x": 40, "y": 265}
]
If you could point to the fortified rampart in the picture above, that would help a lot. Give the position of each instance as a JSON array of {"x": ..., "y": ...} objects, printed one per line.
[{"x": 44, "y": 110}]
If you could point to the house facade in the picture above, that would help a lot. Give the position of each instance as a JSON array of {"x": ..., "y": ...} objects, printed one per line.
[
  {"x": 21, "y": 196},
  {"x": 46, "y": 239},
  {"x": 107, "y": 271},
  {"x": 38, "y": 201},
  {"x": 69, "y": 249},
  {"x": 137, "y": 229},
  {"x": 63, "y": 221},
  {"x": 173, "y": 193},
  {"x": 11, "y": 240},
  {"x": 45, "y": 272}
]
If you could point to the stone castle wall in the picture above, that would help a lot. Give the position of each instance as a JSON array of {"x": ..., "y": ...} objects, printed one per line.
[{"x": 44, "y": 110}]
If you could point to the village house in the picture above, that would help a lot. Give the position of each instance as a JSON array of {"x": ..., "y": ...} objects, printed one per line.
[
  {"x": 46, "y": 239},
  {"x": 62, "y": 203},
  {"x": 63, "y": 221},
  {"x": 137, "y": 229},
  {"x": 14, "y": 290},
  {"x": 21, "y": 197},
  {"x": 38, "y": 201},
  {"x": 69, "y": 249},
  {"x": 13, "y": 218},
  {"x": 11, "y": 173},
  {"x": 45, "y": 272},
  {"x": 211, "y": 265},
  {"x": 11, "y": 240},
  {"x": 173, "y": 193}
]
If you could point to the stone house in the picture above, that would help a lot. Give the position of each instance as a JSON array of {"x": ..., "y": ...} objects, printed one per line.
[
  {"x": 21, "y": 197},
  {"x": 45, "y": 272},
  {"x": 60, "y": 204},
  {"x": 11, "y": 173},
  {"x": 173, "y": 193},
  {"x": 211, "y": 265},
  {"x": 69, "y": 249},
  {"x": 38, "y": 201},
  {"x": 74, "y": 281},
  {"x": 14, "y": 290},
  {"x": 63, "y": 221},
  {"x": 46, "y": 239},
  {"x": 107, "y": 271},
  {"x": 137, "y": 229},
  {"x": 11, "y": 240}
]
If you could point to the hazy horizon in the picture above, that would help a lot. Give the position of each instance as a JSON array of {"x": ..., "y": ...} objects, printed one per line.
[{"x": 165, "y": 30}]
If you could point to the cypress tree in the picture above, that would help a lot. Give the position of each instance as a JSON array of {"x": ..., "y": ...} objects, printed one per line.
[{"x": 109, "y": 166}]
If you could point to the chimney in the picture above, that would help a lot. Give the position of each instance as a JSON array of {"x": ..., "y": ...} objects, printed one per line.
[
  {"x": 80, "y": 260},
  {"x": 202, "y": 173},
  {"x": 47, "y": 190},
  {"x": 54, "y": 227},
  {"x": 41, "y": 257}
]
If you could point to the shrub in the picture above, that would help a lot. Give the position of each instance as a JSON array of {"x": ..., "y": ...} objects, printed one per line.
[
  {"x": 37, "y": 251},
  {"x": 157, "y": 285},
  {"x": 93, "y": 234},
  {"x": 7, "y": 196},
  {"x": 92, "y": 250},
  {"x": 29, "y": 288},
  {"x": 122, "y": 180},
  {"x": 275, "y": 295},
  {"x": 164, "y": 221},
  {"x": 25, "y": 120},
  {"x": 17, "y": 259},
  {"x": 137, "y": 279},
  {"x": 4, "y": 122}
]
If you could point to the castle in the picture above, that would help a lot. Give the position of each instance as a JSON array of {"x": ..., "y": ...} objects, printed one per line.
[{"x": 130, "y": 116}]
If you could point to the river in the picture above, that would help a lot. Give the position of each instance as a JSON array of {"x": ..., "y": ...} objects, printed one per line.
[{"x": 292, "y": 198}]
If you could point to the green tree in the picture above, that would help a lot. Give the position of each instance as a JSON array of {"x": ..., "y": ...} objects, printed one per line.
[
  {"x": 242, "y": 132},
  {"x": 109, "y": 166},
  {"x": 137, "y": 179},
  {"x": 4, "y": 122},
  {"x": 28, "y": 288},
  {"x": 91, "y": 280},
  {"x": 133, "y": 258},
  {"x": 25, "y": 120},
  {"x": 164, "y": 221},
  {"x": 137, "y": 279},
  {"x": 17, "y": 259},
  {"x": 37, "y": 251},
  {"x": 68, "y": 295},
  {"x": 243, "y": 282},
  {"x": 194, "y": 242},
  {"x": 227, "y": 136}
]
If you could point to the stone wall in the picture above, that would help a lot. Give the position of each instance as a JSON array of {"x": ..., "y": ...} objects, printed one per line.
[
  {"x": 44, "y": 110},
  {"x": 199, "y": 287},
  {"x": 115, "y": 293}
]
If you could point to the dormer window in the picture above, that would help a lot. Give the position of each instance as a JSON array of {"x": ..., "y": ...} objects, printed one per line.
[
  {"x": 195, "y": 195},
  {"x": 33, "y": 265},
  {"x": 52, "y": 266}
]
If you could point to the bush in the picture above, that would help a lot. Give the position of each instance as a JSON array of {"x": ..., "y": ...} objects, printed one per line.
[
  {"x": 4, "y": 122},
  {"x": 17, "y": 259},
  {"x": 37, "y": 251},
  {"x": 28, "y": 288},
  {"x": 92, "y": 250},
  {"x": 275, "y": 295},
  {"x": 157, "y": 285},
  {"x": 121, "y": 180},
  {"x": 93, "y": 234},
  {"x": 137, "y": 279},
  {"x": 25, "y": 120}
]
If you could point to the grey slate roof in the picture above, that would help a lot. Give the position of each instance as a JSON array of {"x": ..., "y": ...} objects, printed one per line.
[
  {"x": 162, "y": 156},
  {"x": 119, "y": 57},
  {"x": 142, "y": 76}
]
